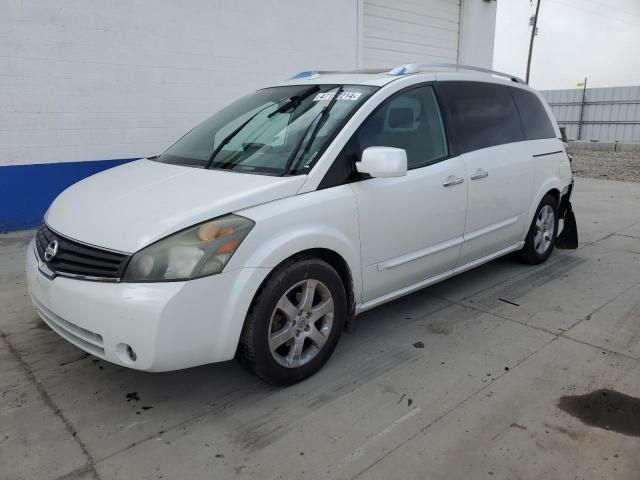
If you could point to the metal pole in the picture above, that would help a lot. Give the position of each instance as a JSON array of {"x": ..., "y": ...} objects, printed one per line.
[
  {"x": 533, "y": 34},
  {"x": 584, "y": 99}
]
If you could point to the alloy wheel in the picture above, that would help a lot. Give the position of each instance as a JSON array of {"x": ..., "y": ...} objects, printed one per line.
[
  {"x": 301, "y": 323},
  {"x": 545, "y": 228}
]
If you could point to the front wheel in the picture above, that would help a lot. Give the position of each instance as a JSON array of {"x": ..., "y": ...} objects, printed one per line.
[
  {"x": 542, "y": 234},
  {"x": 295, "y": 322}
]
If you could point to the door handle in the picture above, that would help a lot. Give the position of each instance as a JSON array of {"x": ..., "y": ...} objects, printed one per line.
[
  {"x": 480, "y": 173},
  {"x": 452, "y": 180}
]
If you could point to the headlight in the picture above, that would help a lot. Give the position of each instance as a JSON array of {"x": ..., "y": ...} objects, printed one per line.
[{"x": 192, "y": 253}]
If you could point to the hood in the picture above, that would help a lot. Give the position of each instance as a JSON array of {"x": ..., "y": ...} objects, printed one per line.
[{"x": 128, "y": 207}]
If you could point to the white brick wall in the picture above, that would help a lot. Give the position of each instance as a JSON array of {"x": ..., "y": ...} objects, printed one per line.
[
  {"x": 89, "y": 80},
  {"x": 103, "y": 79}
]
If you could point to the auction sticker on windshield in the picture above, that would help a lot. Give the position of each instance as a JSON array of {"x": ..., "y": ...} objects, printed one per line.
[{"x": 353, "y": 96}]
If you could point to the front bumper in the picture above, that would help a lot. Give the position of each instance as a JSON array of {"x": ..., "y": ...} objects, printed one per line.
[{"x": 169, "y": 326}]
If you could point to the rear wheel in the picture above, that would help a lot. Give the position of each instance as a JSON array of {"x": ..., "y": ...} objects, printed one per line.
[
  {"x": 542, "y": 234},
  {"x": 295, "y": 322}
]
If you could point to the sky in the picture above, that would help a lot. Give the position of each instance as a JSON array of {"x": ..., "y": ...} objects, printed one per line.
[{"x": 598, "y": 39}]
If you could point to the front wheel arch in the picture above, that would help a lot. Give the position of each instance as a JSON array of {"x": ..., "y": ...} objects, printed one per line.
[
  {"x": 252, "y": 352},
  {"x": 334, "y": 259},
  {"x": 331, "y": 257}
]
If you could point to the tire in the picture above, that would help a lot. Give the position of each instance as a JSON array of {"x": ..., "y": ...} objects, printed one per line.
[
  {"x": 541, "y": 239},
  {"x": 286, "y": 339}
]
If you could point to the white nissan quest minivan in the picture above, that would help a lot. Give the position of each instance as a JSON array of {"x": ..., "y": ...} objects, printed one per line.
[{"x": 266, "y": 229}]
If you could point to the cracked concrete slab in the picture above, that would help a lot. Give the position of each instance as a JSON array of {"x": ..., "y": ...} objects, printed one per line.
[
  {"x": 114, "y": 422},
  {"x": 516, "y": 430},
  {"x": 604, "y": 206},
  {"x": 565, "y": 291},
  {"x": 632, "y": 231},
  {"x": 399, "y": 385},
  {"x": 34, "y": 442},
  {"x": 615, "y": 327},
  {"x": 476, "y": 397}
]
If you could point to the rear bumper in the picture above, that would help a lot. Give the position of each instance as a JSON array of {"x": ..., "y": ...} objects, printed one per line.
[{"x": 169, "y": 326}]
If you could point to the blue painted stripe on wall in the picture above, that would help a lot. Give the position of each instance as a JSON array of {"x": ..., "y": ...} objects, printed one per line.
[{"x": 26, "y": 191}]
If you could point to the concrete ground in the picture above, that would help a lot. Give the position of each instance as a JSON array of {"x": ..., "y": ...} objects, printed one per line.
[{"x": 503, "y": 344}]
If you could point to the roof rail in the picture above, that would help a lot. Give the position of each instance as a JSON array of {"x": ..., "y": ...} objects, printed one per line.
[
  {"x": 409, "y": 68},
  {"x": 310, "y": 74},
  {"x": 316, "y": 73}
]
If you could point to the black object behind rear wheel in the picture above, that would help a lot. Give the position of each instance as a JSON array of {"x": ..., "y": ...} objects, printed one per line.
[
  {"x": 542, "y": 234},
  {"x": 295, "y": 322}
]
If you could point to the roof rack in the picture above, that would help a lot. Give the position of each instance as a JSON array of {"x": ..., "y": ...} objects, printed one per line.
[{"x": 409, "y": 68}]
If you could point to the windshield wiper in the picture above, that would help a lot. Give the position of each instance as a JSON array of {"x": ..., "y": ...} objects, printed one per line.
[
  {"x": 229, "y": 137},
  {"x": 295, "y": 100},
  {"x": 320, "y": 117}
]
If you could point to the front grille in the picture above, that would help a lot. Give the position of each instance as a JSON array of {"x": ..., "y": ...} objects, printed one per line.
[{"x": 77, "y": 259}]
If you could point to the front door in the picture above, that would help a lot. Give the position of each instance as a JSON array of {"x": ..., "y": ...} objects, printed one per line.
[{"x": 411, "y": 227}]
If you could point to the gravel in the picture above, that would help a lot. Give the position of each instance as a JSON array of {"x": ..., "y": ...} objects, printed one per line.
[{"x": 623, "y": 166}]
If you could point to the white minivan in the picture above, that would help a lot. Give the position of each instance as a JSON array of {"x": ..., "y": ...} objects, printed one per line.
[{"x": 266, "y": 229}]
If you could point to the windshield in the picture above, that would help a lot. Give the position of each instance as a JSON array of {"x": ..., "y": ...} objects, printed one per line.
[{"x": 276, "y": 131}]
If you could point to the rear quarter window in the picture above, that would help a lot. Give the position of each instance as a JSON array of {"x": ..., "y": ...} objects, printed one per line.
[
  {"x": 480, "y": 115},
  {"x": 535, "y": 121}
]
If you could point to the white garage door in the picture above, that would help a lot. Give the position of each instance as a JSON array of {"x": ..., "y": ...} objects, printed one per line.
[{"x": 409, "y": 31}]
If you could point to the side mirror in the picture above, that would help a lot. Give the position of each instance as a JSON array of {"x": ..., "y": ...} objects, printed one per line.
[{"x": 383, "y": 162}]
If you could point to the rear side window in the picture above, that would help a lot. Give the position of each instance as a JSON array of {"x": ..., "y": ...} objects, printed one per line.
[
  {"x": 480, "y": 114},
  {"x": 535, "y": 120}
]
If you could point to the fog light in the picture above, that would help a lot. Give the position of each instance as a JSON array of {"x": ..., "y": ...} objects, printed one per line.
[{"x": 126, "y": 353}]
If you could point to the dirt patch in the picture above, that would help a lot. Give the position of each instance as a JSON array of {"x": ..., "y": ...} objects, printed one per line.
[
  {"x": 623, "y": 166},
  {"x": 606, "y": 409}
]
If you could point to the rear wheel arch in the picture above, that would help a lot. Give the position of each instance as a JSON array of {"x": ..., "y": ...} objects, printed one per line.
[
  {"x": 554, "y": 192},
  {"x": 550, "y": 187},
  {"x": 541, "y": 229}
]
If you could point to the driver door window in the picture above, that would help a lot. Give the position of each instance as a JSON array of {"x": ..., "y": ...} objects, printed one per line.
[{"x": 410, "y": 120}]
